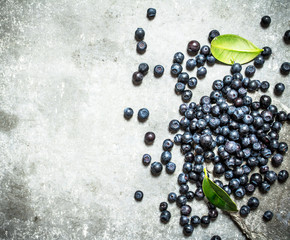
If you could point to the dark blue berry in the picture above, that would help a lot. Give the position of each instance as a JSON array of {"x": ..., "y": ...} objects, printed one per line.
[
  {"x": 146, "y": 159},
  {"x": 138, "y": 195},
  {"x": 176, "y": 69},
  {"x": 183, "y": 77},
  {"x": 250, "y": 71},
  {"x": 195, "y": 220},
  {"x": 201, "y": 72},
  {"x": 170, "y": 167},
  {"x": 185, "y": 210},
  {"x": 188, "y": 230},
  {"x": 139, "y": 34},
  {"x": 213, "y": 214},
  {"x": 192, "y": 82},
  {"x": 190, "y": 195},
  {"x": 270, "y": 177},
  {"x": 216, "y": 237},
  {"x": 265, "y": 187},
  {"x": 141, "y": 47},
  {"x": 151, "y": 13},
  {"x": 205, "y": 220},
  {"x": 137, "y": 78},
  {"x": 268, "y": 215},
  {"x": 285, "y": 68},
  {"x": 128, "y": 113},
  {"x": 143, "y": 114},
  {"x": 244, "y": 211},
  {"x": 174, "y": 126},
  {"x": 265, "y": 21},
  {"x": 205, "y": 50},
  {"x": 178, "y": 57},
  {"x": 167, "y": 145},
  {"x": 240, "y": 192},
  {"x": 200, "y": 60},
  {"x": 149, "y": 137},
  {"x": 283, "y": 176},
  {"x": 165, "y": 216},
  {"x": 191, "y": 64},
  {"x": 266, "y": 52},
  {"x": 277, "y": 160},
  {"x": 163, "y": 206},
  {"x": 265, "y": 86},
  {"x": 172, "y": 197},
  {"x": 166, "y": 157},
  {"x": 213, "y": 34},
  {"x": 143, "y": 68},
  {"x": 234, "y": 183},
  {"x": 210, "y": 59},
  {"x": 250, "y": 188},
  {"x": 156, "y": 168},
  {"x": 181, "y": 200},
  {"x": 286, "y": 36},
  {"x": 259, "y": 61},
  {"x": 279, "y": 88},
  {"x": 158, "y": 70},
  {"x": 193, "y": 47},
  {"x": 236, "y": 68},
  {"x": 183, "y": 220},
  {"x": 186, "y": 95},
  {"x": 253, "y": 203}
]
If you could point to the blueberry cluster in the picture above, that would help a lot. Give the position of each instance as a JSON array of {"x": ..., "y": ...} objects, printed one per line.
[{"x": 226, "y": 128}]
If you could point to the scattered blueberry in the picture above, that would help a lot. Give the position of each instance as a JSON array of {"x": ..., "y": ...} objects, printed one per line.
[
  {"x": 156, "y": 168},
  {"x": 279, "y": 88},
  {"x": 286, "y": 36},
  {"x": 178, "y": 57},
  {"x": 244, "y": 210},
  {"x": 283, "y": 176},
  {"x": 193, "y": 47},
  {"x": 137, "y": 78},
  {"x": 143, "y": 68},
  {"x": 285, "y": 68},
  {"x": 268, "y": 215},
  {"x": 158, "y": 70},
  {"x": 163, "y": 206},
  {"x": 165, "y": 216},
  {"x": 151, "y": 13},
  {"x": 139, "y": 34},
  {"x": 149, "y": 137},
  {"x": 253, "y": 203},
  {"x": 128, "y": 113},
  {"x": 213, "y": 34},
  {"x": 138, "y": 195},
  {"x": 146, "y": 159},
  {"x": 143, "y": 114},
  {"x": 141, "y": 47},
  {"x": 265, "y": 21}
]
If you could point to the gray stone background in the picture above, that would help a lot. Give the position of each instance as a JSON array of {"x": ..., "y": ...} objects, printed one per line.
[{"x": 70, "y": 163}]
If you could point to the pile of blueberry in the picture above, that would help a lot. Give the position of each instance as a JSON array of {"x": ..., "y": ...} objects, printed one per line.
[{"x": 227, "y": 128}]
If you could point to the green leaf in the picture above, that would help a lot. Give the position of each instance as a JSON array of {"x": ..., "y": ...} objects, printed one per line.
[
  {"x": 217, "y": 196},
  {"x": 230, "y": 48}
]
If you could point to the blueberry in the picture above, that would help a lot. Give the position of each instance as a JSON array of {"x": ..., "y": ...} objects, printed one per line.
[
  {"x": 244, "y": 211},
  {"x": 259, "y": 61},
  {"x": 265, "y": 187},
  {"x": 231, "y": 146},
  {"x": 250, "y": 188},
  {"x": 190, "y": 195},
  {"x": 187, "y": 229},
  {"x": 183, "y": 108},
  {"x": 128, "y": 113},
  {"x": 181, "y": 200},
  {"x": 213, "y": 34},
  {"x": 193, "y": 47},
  {"x": 265, "y": 21},
  {"x": 183, "y": 77},
  {"x": 264, "y": 169},
  {"x": 210, "y": 59},
  {"x": 151, "y": 12},
  {"x": 282, "y": 147},
  {"x": 137, "y": 78},
  {"x": 285, "y": 68},
  {"x": 138, "y": 195},
  {"x": 213, "y": 214},
  {"x": 199, "y": 195},
  {"x": 286, "y": 36},
  {"x": 187, "y": 167},
  {"x": 279, "y": 88},
  {"x": 143, "y": 68},
  {"x": 200, "y": 60},
  {"x": 166, "y": 157},
  {"x": 149, "y": 137},
  {"x": 201, "y": 72},
  {"x": 234, "y": 183},
  {"x": 205, "y": 50},
  {"x": 141, "y": 47},
  {"x": 186, "y": 96},
  {"x": 158, "y": 70},
  {"x": 185, "y": 210},
  {"x": 192, "y": 82},
  {"x": 227, "y": 189},
  {"x": 172, "y": 197},
  {"x": 191, "y": 64},
  {"x": 270, "y": 177},
  {"x": 143, "y": 114},
  {"x": 167, "y": 145},
  {"x": 165, "y": 216},
  {"x": 219, "y": 168},
  {"x": 182, "y": 178},
  {"x": 170, "y": 167},
  {"x": 176, "y": 69},
  {"x": 178, "y": 57},
  {"x": 253, "y": 86},
  {"x": 283, "y": 176},
  {"x": 277, "y": 160},
  {"x": 183, "y": 220},
  {"x": 174, "y": 126},
  {"x": 216, "y": 237},
  {"x": 219, "y": 183},
  {"x": 229, "y": 174},
  {"x": 240, "y": 192},
  {"x": 156, "y": 168},
  {"x": 250, "y": 71},
  {"x": 268, "y": 215},
  {"x": 265, "y": 86},
  {"x": 139, "y": 34},
  {"x": 253, "y": 203},
  {"x": 281, "y": 116},
  {"x": 236, "y": 68},
  {"x": 205, "y": 220},
  {"x": 266, "y": 52},
  {"x": 146, "y": 159},
  {"x": 163, "y": 206},
  {"x": 206, "y": 141},
  {"x": 232, "y": 95}
]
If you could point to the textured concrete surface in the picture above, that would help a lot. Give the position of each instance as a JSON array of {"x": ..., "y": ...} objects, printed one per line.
[{"x": 70, "y": 163}]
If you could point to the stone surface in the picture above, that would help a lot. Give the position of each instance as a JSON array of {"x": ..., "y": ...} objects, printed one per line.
[{"x": 70, "y": 163}]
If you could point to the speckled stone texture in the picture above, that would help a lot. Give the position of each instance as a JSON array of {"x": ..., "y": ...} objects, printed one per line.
[{"x": 70, "y": 163}]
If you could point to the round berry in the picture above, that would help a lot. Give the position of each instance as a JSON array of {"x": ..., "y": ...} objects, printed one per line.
[
  {"x": 146, "y": 159},
  {"x": 143, "y": 68},
  {"x": 149, "y": 137},
  {"x": 176, "y": 69},
  {"x": 201, "y": 72},
  {"x": 283, "y": 176},
  {"x": 191, "y": 64},
  {"x": 213, "y": 34},
  {"x": 253, "y": 203},
  {"x": 286, "y": 36},
  {"x": 178, "y": 57},
  {"x": 139, "y": 34},
  {"x": 165, "y": 216},
  {"x": 151, "y": 13},
  {"x": 128, "y": 113},
  {"x": 193, "y": 47},
  {"x": 138, "y": 195},
  {"x": 172, "y": 197},
  {"x": 163, "y": 206},
  {"x": 143, "y": 114},
  {"x": 137, "y": 78},
  {"x": 279, "y": 88},
  {"x": 250, "y": 71},
  {"x": 285, "y": 68},
  {"x": 156, "y": 168},
  {"x": 236, "y": 68},
  {"x": 268, "y": 215},
  {"x": 266, "y": 52},
  {"x": 158, "y": 70},
  {"x": 141, "y": 47},
  {"x": 265, "y": 21},
  {"x": 244, "y": 211},
  {"x": 187, "y": 229}
]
